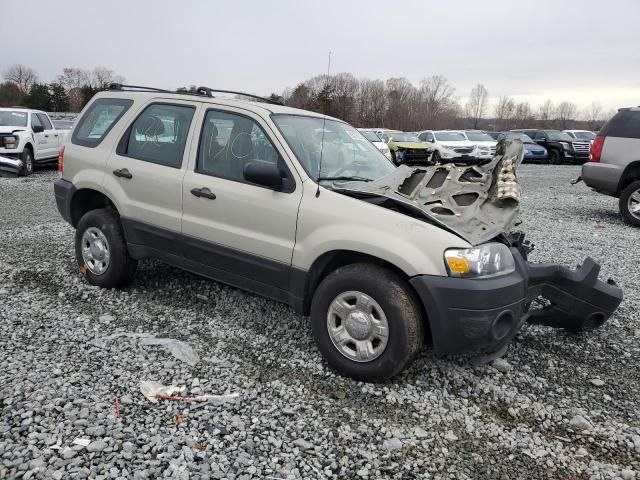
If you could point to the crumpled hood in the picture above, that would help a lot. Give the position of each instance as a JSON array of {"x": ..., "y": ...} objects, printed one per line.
[{"x": 476, "y": 202}]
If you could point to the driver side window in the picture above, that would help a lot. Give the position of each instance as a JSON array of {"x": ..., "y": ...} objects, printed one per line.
[
  {"x": 35, "y": 121},
  {"x": 429, "y": 137},
  {"x": 229, "y": 142}
]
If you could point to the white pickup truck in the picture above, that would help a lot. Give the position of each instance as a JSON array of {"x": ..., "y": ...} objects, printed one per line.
[{"x": 28, "y": 138}]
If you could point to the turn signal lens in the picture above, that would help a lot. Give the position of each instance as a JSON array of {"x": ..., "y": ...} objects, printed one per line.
[{"x": 458, "y": 265}]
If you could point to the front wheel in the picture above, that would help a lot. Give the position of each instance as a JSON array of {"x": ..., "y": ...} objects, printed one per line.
[
  {"x": 27, "y": 162},
  {"x": 101, "y": 250},
  {"x": 435, "y": 157},
  {"x": 366, "y": 322},
  {"x": 630, "y": 204},
  {"x": 554, "y": 157}
]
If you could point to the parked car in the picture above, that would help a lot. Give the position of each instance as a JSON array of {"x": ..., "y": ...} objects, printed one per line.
[
  {"x": 385, "y": 135},
  {"x": 614, "y": 165},
  {"x": 485, "y": 143},
  {"x": 377, "y": 141},
  {"x": 532, "y": 151},
  {"x": 365, "y": 248},
  {"x": 408, "y": 149},
  {"x": 63, "y": 124},
  {"x": 560, "y": 146},
  {"x": 450, "y": 146},
  {"x": 581, "y": 134},
  {"x": 28, "y": 138}
]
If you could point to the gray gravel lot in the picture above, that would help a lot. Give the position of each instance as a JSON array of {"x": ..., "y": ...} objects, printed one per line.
[{"x": 557, "y": 406}]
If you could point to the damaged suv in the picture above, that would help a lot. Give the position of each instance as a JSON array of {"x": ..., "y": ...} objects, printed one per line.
[{"x": 381, "y": 258}]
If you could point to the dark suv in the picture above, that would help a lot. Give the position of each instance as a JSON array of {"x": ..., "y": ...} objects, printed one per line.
[
  {"x": 614, "y": 166},
  {"x": 561, "y": 147}
]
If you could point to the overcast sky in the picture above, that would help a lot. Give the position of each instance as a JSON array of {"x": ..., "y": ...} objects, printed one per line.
[{"x": 577, "y": 50}]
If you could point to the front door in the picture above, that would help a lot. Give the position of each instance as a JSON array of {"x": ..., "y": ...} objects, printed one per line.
[
  {"x": 145, "y": 175},
  {"x": 44, "y": 147},
  {"x": 232, "y": 225}
]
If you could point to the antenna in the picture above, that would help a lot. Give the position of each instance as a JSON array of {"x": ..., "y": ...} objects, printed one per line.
[{"x": 324, "y": 123}]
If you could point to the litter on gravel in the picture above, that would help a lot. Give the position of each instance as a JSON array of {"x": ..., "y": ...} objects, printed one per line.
[{"x": 155, "y": 391}]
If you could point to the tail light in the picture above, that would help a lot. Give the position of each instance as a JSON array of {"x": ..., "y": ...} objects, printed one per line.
[
  {"x": 61, "y": 161},
  {"x": 596, "y": 148}
]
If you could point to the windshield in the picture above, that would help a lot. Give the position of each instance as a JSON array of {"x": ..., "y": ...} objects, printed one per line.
[
  {"x": 585, "y": 135},
  {"x": 449, "y": 136},
  {"x": 10, "y": 118},
  {"x": 371, "y": 136},
  {"x": 479, "y": 137},
  {"x": 559, "y": 136},
  {"x": 404, "y": 137},
  {"x": 520, "y": 136},
  {"x": 345, "y": 152}
]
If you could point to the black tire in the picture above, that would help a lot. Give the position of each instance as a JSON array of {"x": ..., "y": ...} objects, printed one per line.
[
  {"x": 393, "y": 158},
  {"x": 625, "y": 198},
  {"x": 400, "y": 306},
  {"x": 27, "y": 162},
  {"x": 435, "y": 157},
  {"x": 122, "y": 268},
  {"x": 555, "y": 158}
]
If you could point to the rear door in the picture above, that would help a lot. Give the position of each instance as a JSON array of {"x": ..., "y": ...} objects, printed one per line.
[
  {"x": 144, "y": 174},
  {"x": 239, "y": 228}
]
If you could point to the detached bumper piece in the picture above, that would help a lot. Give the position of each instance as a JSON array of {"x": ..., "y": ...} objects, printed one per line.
[
  {"x": 483, "y": 315},
  {"x": 10, "y": 165}
]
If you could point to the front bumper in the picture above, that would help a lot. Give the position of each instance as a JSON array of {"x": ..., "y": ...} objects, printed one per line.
[
  {"x": 542, "y": 157},
  {"x": 10, "y": 165},
  {"x": 483, "y": 315}
]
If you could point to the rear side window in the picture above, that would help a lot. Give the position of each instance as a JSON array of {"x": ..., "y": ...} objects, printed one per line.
[
  {"x": 98, "y": 120},
  {"x": 625, "y": 123},
  {"x": 159, "y": 135}
]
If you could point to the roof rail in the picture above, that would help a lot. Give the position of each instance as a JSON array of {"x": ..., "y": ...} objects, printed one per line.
[{"x": 204, "y": 91}]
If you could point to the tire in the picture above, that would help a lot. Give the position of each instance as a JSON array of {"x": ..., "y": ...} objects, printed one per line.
[
  {"x": 393, "y": 158},
  {"x": 27, "y": 161},
  {"x": 104, "y": 225},
  {"x": 630, "y": 198},
  {"x": 435, "y": 157},
  {"x": 399, "y": 306},
  {"x": 554, "y": 157}
]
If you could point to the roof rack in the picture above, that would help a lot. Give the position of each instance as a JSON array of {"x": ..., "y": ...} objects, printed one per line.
[{"x": 204, "y": 91}]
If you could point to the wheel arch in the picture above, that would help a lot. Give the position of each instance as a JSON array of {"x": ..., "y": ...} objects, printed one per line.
[
  {"x": 631, "y": 174},
  {"x": 87, "y": 199}
]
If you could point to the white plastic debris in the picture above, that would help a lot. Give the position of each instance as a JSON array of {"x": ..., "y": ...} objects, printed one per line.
[
  {"x": 152, "y": 390},
  {"x": 179, "y": 349},
  {"x": 82, "y": 441}
]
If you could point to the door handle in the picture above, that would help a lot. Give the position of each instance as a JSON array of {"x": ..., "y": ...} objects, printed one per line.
[
  {"x": 203, "y": 193},
  {"x": 46, "y": 136},
  {"x": 56, "y": 135},
  {"x": 123, "y": 173}
]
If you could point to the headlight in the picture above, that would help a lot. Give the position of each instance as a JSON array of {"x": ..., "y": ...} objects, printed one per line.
[
  {"x": 566, "y": 146},
  {"x": 11, "y": 141},
  {"x": 487, "y": 260}
]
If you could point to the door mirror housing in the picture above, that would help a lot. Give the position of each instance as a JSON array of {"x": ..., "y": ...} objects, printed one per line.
[
  {"x": 265, "y": 174},
  {"x": 38, "y": 129}
]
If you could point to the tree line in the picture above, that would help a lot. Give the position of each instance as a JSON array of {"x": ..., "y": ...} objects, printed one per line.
[
  {"x": 397, "y": 103},
  {"x": 69, "y": 92}
]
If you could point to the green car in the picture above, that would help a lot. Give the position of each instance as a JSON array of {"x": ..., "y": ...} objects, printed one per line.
[{"x": 408, "y": 149}]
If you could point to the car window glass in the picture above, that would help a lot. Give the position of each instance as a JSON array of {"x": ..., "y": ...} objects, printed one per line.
[
  {"x": 159, "y": 134},
  {"x": 229, "y": 142},
  {"x": 98, "y": 120},
  {"x": 35, "y": 121},
  {"x": 625, "y": 124},
  {"x": 45, "y": 121},
  {"x": 429, "y": 137}
]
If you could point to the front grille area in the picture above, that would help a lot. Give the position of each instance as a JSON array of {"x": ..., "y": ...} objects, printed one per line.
[
  {"x": 581, "y": 147},
  {"x": 493, "y": 150},
  {"x": 463, "y": 150},
  {"x": 415, "y": 155}
]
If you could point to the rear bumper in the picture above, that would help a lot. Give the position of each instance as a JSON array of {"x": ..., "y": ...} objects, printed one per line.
[
  {"x": 10, "y": 164},
  {"x": 63, "y": 191},
  {"x": 602, "y": 176},
  {"x": 483, "y": 315}
]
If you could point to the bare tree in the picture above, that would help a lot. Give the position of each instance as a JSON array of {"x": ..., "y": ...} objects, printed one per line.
[
  {"x": 523, "y": 115},
  {"x": 477, "y": 104},
  {"x": 401, "y": 98},
  {"x": 23, "y": 77},
  {"x": 565, "y": 113},
  {"x": 436, "y": 97},
  {"x": 546, "y": 112},
  {"x": 594, "y": 115},
  {"x": 73, "y": 78},
  {"x": 504, "y": 111},
  {"x": 102, "y": 77}
]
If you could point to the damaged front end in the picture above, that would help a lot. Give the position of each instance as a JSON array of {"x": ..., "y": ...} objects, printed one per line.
[{"x": 481, "y": 203}]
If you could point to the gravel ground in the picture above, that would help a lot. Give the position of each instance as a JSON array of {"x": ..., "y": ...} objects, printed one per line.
[{"x": 556, "y": 406}]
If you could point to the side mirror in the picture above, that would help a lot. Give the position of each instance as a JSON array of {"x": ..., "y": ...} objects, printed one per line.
[
  {"x": 38, "y": 129},
  {"x": 265, "y": 174}
]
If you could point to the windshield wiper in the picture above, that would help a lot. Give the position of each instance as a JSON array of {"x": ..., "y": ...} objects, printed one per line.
[{"x": 346, "y": 178}]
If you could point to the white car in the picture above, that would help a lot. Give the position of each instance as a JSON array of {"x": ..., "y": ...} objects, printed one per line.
[
  {"x": 450, "y": 146},
  {"x": 28, "y": 138},
  {"x": 486, "y": 143},
  {"x": 377, "y": 141},
  {"x": 581, "y": 135}
]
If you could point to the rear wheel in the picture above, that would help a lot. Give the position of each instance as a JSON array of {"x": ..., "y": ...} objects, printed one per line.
[
  {"x": 366, "y": 322},
  {"x": 630, "y": 204},
  {"x": 554, "y": 157},
  {"x": 27, "y": 162},
  {"x": 101, "y": 250}
]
